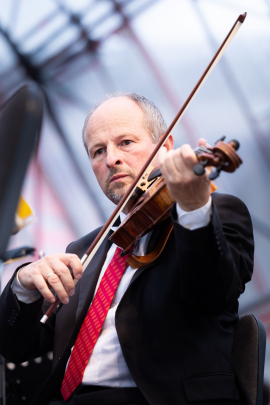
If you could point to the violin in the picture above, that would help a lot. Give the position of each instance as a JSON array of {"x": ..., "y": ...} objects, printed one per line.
[
  {"x": 222, "y": 156},
  {"x": 155, "y": 203}
]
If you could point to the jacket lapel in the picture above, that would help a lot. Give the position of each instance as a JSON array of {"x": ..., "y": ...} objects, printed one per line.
[
  {"x": 91, "y": 274},
  {"x": 89, "y": 280},
  {"x": 90, "y": 277}
]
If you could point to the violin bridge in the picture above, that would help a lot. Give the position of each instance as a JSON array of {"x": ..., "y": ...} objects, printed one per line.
[{"x": 144, "y": 184}]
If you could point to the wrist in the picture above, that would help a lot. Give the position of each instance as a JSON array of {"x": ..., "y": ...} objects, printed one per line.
[
  {"x": 21, "y": 281},
  {"x": 195, "y": 219},
  {"x": 188, "y": 207}
]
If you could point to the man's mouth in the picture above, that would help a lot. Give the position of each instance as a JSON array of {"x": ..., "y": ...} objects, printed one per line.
[{"x": 118, "y": 177}]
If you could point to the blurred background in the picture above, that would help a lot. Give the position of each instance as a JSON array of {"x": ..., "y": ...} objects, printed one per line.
[{"x": 78, "y": 50}]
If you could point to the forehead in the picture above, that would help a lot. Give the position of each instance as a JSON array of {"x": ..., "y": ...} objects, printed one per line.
[{"x": 117, "y": 114}]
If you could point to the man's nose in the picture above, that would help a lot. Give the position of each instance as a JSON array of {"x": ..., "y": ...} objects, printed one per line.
[{"x": 114, "y": 157}]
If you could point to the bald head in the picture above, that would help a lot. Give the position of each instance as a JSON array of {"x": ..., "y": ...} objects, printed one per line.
[
  {"x": 152, "y": 119},
  {"x": 120, "y": 112}
]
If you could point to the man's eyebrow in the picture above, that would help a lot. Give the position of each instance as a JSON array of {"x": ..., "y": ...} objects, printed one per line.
[
  {"x": 128, "y": 135},
  {"x": 97, "y": 145}
]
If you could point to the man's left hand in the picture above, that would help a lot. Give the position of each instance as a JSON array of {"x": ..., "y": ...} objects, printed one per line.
[{"x": 189, "y": 190}]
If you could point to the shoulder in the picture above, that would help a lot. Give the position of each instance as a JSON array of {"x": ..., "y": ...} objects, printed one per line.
[
  {"x": 80, "y": 246},
  {"x": 232, "y": 210},
  {"x": 228, "y": 202},
  {"x": 226, "y": 198}
]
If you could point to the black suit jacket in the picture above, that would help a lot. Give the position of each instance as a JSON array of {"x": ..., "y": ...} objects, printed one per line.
[{"x": 175, "y": 322}]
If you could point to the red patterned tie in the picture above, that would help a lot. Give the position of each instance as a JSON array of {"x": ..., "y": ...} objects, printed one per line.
[{"x": 92, "y": 324}]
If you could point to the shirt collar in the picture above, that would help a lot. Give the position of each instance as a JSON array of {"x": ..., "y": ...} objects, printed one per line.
[{"x": 122, "y": 218}]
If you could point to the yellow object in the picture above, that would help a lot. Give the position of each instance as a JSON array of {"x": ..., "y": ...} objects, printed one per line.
[
  {"x": 24, "y": 215},
  {"x": 213, "y": 187},
  {"x": 23, "y": 209}
]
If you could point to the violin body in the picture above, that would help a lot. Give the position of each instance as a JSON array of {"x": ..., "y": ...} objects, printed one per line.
[{"x": 152, "y": 208}]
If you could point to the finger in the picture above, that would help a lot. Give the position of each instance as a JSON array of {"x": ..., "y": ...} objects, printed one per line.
[
  {"x": 43, "y": 288},
  {"x": 58, "y": 287},
  {"x": 208, "y": 171},
  {"x": 63, "y": 273},
  {"x": 177, "y": 165},
  {"x": 189, "y": 157},
  {"x": 72, "y": 260},
  {"x": 202, "y": 142},
  {"x": 76, "y": 265},
  {"x": 184, "y": 162},
  {"x": 161, "y": 155},
  {"x": 174, "y": 166},
  {"x": 167, "y": 166}
]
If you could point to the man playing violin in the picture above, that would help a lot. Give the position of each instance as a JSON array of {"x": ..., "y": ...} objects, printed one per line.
[{"x": 167, "y": 336}]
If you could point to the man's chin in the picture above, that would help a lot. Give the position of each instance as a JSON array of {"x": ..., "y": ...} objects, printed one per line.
[
  {"x": 116, "y": 192},
  {"x": 120, "y": 187},
  {"x": 115, "y": 197}
]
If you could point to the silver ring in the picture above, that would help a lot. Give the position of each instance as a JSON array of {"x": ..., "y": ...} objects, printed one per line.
[{"x": 48, "y": 275}]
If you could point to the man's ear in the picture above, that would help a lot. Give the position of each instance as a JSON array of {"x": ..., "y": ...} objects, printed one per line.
[{"x": 169, "y": 143}]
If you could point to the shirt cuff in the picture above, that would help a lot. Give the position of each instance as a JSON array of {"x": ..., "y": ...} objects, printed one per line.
[
  {"x": 24, "y": 295},
  {"x": 195, "y": 219}
]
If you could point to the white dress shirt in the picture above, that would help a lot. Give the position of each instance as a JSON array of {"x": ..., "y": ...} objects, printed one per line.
[{"x": 107, "y": 366}]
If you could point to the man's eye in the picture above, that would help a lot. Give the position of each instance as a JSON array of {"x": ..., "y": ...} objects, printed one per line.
[
  {"x": 127, "y": 142},
  {"x": 99, "y": 152}
]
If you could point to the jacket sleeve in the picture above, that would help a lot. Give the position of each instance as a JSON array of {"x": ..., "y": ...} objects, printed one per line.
[
  {"x": 22, "y": 335},
  {"x": 217, "y": 260}
]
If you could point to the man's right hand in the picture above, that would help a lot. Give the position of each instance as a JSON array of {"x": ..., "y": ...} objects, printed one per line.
[{"x": 35, "y": 276}]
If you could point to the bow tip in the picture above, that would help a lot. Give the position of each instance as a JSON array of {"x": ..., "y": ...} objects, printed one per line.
[{"x": 242, "y": 17}]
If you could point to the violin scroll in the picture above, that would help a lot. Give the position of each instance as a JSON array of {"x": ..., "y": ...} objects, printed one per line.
[{"x": 222, "y": 156}]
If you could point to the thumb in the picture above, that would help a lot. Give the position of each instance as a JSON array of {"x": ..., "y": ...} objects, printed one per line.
[
  {"x": 161, "y": 155},
  {"x": 202, "y": 142}
]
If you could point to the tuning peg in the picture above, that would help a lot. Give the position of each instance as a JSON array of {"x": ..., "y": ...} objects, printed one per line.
[
  {"x": 215, "y": 173},
  {"x": 199, "y": 168},
  {"x": 221, "y": 139},
  {"x": 235, "y": 144}
]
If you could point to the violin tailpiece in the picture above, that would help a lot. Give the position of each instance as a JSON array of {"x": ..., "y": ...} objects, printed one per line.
[{"x": 136, "y": 262}]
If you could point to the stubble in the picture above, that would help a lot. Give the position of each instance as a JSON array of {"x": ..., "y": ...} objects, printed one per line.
[{"x": 116, "y": 191}]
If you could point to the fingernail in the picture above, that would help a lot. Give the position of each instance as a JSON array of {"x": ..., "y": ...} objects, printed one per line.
[
  {"x": 71, "y": 292},
  {"x": 65, "y": 301},
  {"x": 79, "y": 276},
  {"x": 52, "y": 300}
]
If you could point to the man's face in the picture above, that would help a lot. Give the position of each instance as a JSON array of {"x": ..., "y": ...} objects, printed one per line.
[{"x": 118, "y": 145}]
